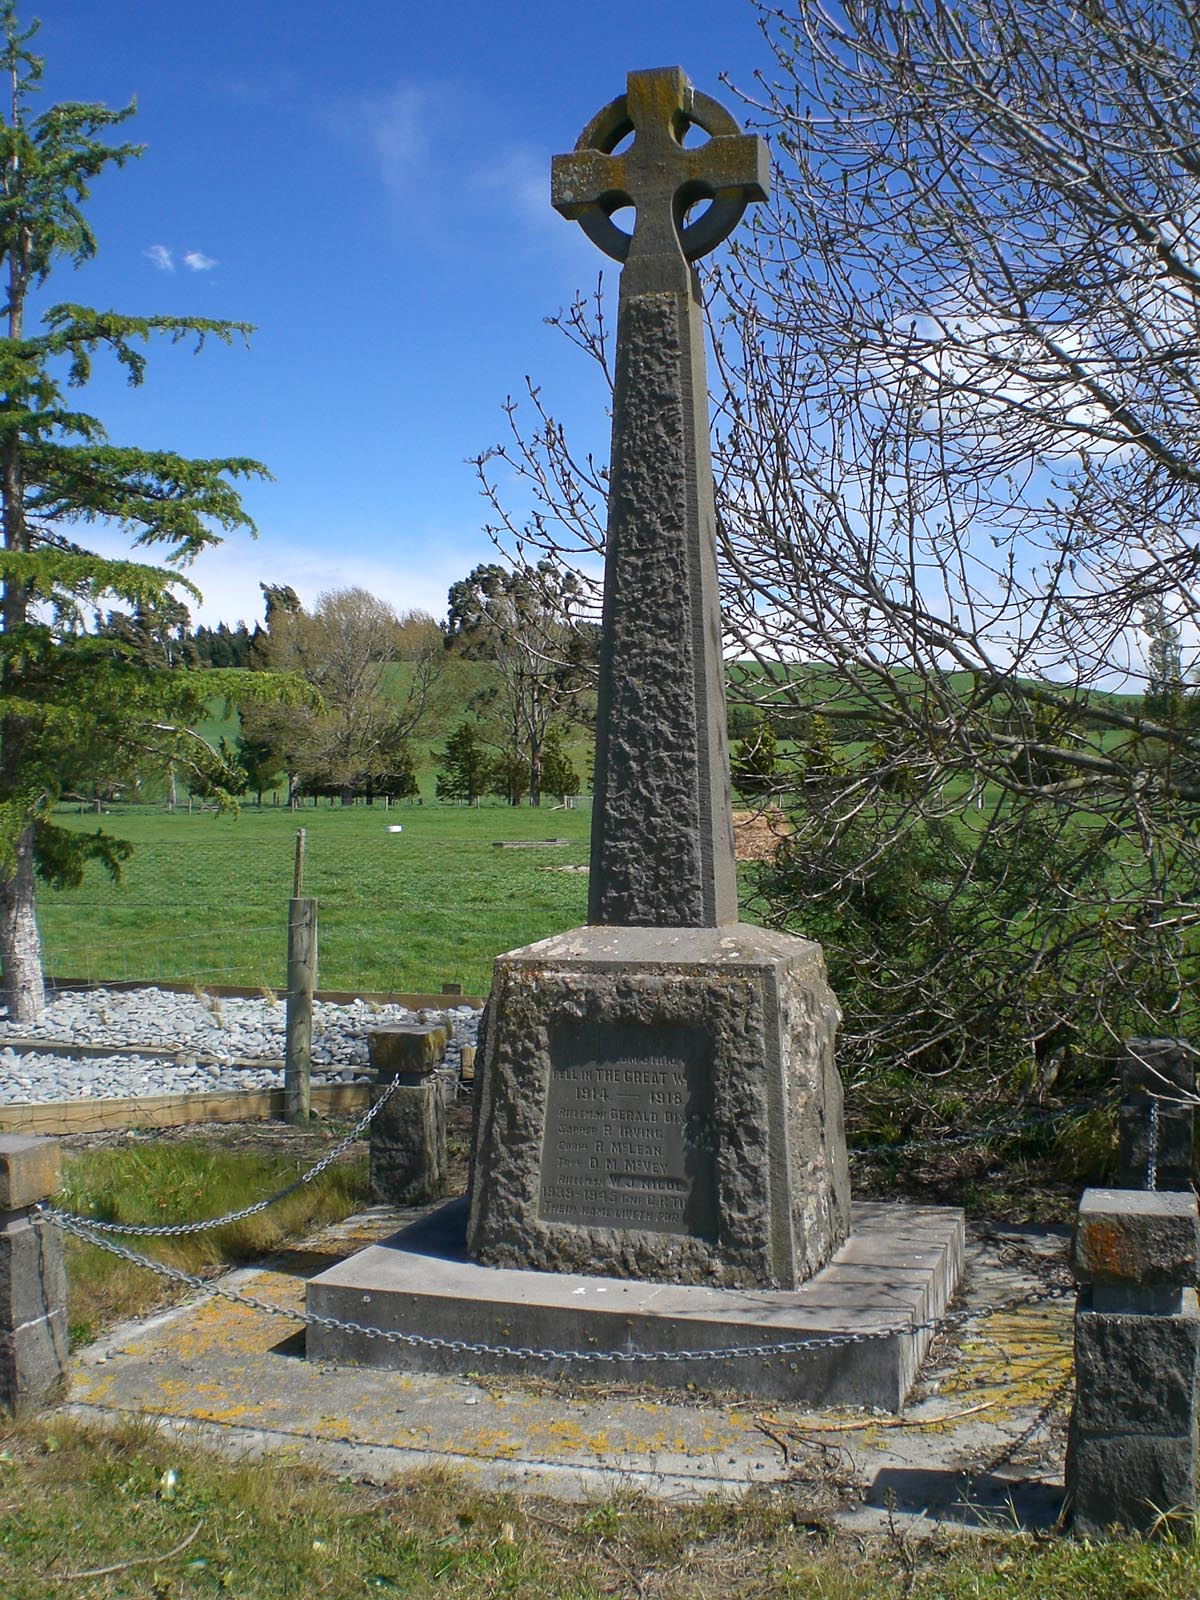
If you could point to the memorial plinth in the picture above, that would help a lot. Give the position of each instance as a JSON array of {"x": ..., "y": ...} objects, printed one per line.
[
  {"x": 867, "y": 1312},
  {"x": 663, "y": 1104}
]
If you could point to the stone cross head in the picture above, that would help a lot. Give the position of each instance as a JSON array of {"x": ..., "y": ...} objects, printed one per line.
[{"x": 657, "y": 174}]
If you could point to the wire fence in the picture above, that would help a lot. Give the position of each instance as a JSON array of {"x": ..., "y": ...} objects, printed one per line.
[{"x": 409, "y": 898}]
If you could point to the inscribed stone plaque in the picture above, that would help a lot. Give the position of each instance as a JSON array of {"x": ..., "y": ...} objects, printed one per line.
[{"x": 628, "y": 1137}]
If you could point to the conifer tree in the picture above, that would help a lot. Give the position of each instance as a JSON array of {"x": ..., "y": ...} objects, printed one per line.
[
  {"x": 464, "y": 770},
  {"x": 558, "y": 770},
  {"x": 73, "y": 700}
]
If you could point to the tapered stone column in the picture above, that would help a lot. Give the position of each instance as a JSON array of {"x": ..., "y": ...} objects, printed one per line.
[
  {"x": 662, "y": 836},
  {"x": 658, "y": 1095}
]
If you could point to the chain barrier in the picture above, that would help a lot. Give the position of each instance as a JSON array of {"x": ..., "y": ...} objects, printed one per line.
[
  {"x": 1152, "y": 1147},
  {"x": 175, "y": 1230},
  {"x": 832, "y": 1341},
  {"x": 179, "y": 1229}
]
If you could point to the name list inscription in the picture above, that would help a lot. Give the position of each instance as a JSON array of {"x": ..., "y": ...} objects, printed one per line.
[{"x": 628, "y": 1132}]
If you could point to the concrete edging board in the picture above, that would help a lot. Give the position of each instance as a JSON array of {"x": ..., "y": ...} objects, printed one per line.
[{"x": 63, "y": 1117}]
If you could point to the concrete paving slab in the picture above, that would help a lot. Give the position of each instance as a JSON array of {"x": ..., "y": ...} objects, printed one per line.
[
  {"x": 895, "y": 1273},
  {"x": 981, "y": 1440}
]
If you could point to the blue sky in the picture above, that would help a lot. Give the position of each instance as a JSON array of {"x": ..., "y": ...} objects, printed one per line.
[{"x": 368, "y": 184}]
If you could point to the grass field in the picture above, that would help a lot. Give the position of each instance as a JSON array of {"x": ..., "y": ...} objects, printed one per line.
[
  {"x": 204, "y": 897},
  {"x": 135, "y": 1514}
]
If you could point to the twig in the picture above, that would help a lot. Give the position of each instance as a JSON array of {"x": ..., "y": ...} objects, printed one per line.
[
  {"x": 881, "y": 1422},
  {"x": 135, "y": 1561},
  {"x": 779, "y": 1439},
  {"x": 607, "y": 1549}
]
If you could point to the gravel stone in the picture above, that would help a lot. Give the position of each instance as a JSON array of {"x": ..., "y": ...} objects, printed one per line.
[{"x": 209, "y": 1036}]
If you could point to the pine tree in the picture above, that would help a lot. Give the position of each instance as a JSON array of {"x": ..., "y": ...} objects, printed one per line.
[
  {"x": 1164, "y": 694},
  {"x": 400, "y": 781},
  {"x": 558, "y": 770},
  {"x": 465, "y": 768},
  {"x": 71, "y": 700}
]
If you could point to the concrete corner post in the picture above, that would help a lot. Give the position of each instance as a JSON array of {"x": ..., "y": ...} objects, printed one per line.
[
  {"x": 33, "y": 1279},
  {"x": 1132, "y": 1450},
  {"x": 408, "y": 1163}
]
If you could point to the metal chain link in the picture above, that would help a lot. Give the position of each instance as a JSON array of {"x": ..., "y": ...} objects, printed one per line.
[
  {"x": 175, "y": 1230},
  {"x": 171, "y": 1230},
  {"x": 832, "y": 1341},
  {"x": 1152, "y": 1148}
]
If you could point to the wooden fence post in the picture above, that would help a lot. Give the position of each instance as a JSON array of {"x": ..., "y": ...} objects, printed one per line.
[{"x": 301, "y": 981}]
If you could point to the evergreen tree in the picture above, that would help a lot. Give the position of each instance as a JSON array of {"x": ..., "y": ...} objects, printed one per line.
[
  {"x": 558, "y": 771},
  {"x": 261, "y": 763},
  {"x": 400, "y": 781},
  {"x": 159, "y": 633},
  {"x": 1164, "y": 694},
  {"x": 68, "y": 698},
  {"x": 508, "y": 776},
  {"x": 465, "y": 769}
]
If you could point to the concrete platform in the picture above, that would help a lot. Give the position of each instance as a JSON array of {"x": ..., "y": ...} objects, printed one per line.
[
  {"x": 980, "y": 1442},
  {"x": 898, "y": 1269}
]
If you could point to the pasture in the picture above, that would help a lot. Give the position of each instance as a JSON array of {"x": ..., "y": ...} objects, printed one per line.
[{"x": 204, "y": 897}]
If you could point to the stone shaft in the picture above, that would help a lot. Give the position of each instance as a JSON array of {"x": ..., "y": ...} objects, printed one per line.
[{"x": 662, "y": 833}]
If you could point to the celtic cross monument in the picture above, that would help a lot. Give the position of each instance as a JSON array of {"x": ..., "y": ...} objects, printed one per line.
[
  {"x": 658, "y": 1163},
  {"x": 657, "y": 1096},
  {"x": 662, "y": 839}
]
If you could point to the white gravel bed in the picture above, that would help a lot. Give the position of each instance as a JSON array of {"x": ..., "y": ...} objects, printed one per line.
[{"x": 210, "y": 1034}]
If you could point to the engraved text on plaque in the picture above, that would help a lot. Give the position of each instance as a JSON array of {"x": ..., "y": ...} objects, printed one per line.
[{"x": 628, "y": 1133}]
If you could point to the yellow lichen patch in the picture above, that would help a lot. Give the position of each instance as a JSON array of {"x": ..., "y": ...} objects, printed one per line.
[
  {"x": 1014, "y": 1358},
  {"x": 91, "y": 1384},
  {"x": 561, "y": 1436},
  {"x": 252, "y": 1412},
  {"x": 488, "y": 1443},
  {"x": 216, "y": 1326}
]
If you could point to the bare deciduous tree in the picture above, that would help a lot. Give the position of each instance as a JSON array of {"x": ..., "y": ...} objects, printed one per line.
[
  {"x": 526, "y": 622},
  {"x": 345, "y": 649},
  {"x": 957, "y": 436}
]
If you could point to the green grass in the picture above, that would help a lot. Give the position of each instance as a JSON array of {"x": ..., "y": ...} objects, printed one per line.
[
  {"x": 204, "y": 897},
  {"x": 152, "y": 1180},
  {"x": 72, "y": 1502}
]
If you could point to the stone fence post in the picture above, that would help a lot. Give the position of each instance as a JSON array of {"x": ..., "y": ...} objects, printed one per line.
[
  {"x": 1132, "y": 1448},
  {"x": 1157, "y": 1114},
  {"x": 33, "y": 1278},
  {"x": 408, "y": 1162}
]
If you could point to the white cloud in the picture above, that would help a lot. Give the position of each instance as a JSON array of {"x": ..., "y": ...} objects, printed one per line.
[
  {"x": 396, "y": 128},
  {"x": 516, "y": 180},
  {"x": 197, "y": 261},
  {"x": 228, "y": 576},
  {"x": 158, "y": 255}
]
